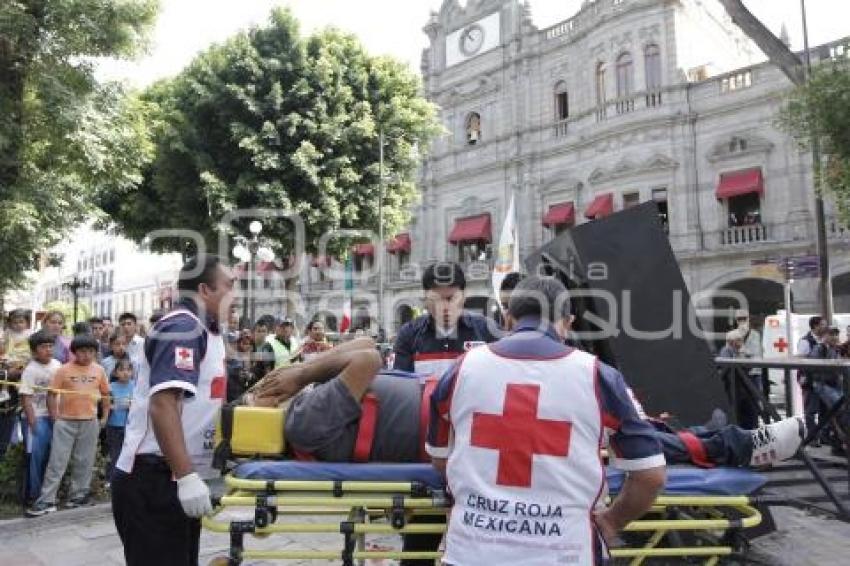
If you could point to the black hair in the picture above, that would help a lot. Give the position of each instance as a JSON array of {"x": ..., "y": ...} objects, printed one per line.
[
  {"x": 814, "y": 322},
  {"x": 197, "y": 270},
  {"x": 121, "y": 362},
  {"x": 313, "y": 323},
  {"x": 266, "y": 320},
  {"x": 84, "y": 341},
  {"x": 156, "y": 315},
  {"x": 95, "y": 320},
  {"x": 545, "y": 298},
  {"x": 36, "y": 339},
  {"x": 80, "y": 328},
  {"x": 443, "y": 274},
  {"x": 127, "y": 316},
  {"x": 510, "y": 281},
  {"x": 17, "y": 313},
  {"x": 117, "y": 335}
]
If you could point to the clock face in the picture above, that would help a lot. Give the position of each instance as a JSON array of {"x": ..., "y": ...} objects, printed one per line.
[{"x": 471, "y": 40}]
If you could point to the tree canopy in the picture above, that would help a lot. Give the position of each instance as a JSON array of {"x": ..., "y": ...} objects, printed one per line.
[
  {"x": 272, "y": 119},
  {"x": 63, "y": 136},
  {"x": 821, "y": 109}
]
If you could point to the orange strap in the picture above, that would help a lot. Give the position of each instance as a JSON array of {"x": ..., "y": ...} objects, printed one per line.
[
  {"x": 695, "y": 449},
  {"x": 425, "y": 415},
  {"x": 366, "y": 430}
]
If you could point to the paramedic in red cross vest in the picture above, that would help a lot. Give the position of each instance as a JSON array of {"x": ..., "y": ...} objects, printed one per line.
[
  {"x": 158, "y": 488},
  {"x": 517, "y": 427},
  {"x": 430, "y": 343}
]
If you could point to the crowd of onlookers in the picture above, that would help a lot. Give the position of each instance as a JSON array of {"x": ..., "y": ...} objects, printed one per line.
[
  {"x": 67, "y": 394},
  {"x": 822, "y": 388},
  {"x": 64, "y": 396},
  {"x": 274, "y": 343}
]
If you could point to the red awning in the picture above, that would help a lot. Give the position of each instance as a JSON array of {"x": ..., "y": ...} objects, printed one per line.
[
  {"x": 400, "y": 243},
  {"x": 602, "y": 205},
  {"x": 740, "y": 183},
  {"x": 561, "y": 213},
  {"x": 471, "y": 229},
  {"x": 364, "y": 249}
]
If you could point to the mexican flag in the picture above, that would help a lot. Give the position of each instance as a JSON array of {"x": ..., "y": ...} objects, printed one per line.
[
  {"x": 345, "y": 322},
  {"x": 507, "y": 254}
]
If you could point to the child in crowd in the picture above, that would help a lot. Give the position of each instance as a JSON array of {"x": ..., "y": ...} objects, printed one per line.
[
  {"x": 35, "y": 380},
  {"x": 118, "y": 351},
  {"x": 54, "y": 324},
  {"x": 121, "y": 389},
  {"x": 15, "y": 353},
  {"x": 75, "y": 425}
]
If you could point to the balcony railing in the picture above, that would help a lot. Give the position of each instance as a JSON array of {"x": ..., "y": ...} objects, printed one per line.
[
  {"x": 560, "y": 128},
  {"x": 736, "y": 81},
  {"x": 625, "y": 105},
  {"x": 836, "y": 228},
  {"x": 743, "y": 235}
]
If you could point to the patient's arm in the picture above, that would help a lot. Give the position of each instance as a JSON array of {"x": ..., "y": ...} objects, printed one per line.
[{"x": 356, "y": 362}]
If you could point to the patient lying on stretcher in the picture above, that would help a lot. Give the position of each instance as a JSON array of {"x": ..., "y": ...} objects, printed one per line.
[{"x": 327, "y": 398}]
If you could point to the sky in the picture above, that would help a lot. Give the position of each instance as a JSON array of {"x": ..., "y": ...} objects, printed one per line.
[{"x": 393, "y": 27}]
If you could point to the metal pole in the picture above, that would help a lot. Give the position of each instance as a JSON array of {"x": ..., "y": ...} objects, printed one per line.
[
  {"x": 380, "y": 250},
  {"x": 253, "y": 269},
  {"x": 820, "y": 221},
  {"x": 75, "y": 288},
  {"x": 789, "y": 394}
]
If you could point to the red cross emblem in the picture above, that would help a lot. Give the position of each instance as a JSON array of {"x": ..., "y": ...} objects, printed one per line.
[
  {"x": 780, "y": 344},
  {"x": 518, "y": 435}
]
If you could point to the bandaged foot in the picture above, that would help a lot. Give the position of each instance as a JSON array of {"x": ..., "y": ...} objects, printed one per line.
[{"x": 778, "y": 441}]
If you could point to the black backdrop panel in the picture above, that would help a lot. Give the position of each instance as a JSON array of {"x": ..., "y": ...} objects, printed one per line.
[{"x": 626, "y": 258}]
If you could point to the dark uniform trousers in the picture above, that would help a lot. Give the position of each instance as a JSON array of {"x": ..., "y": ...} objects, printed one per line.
[{"x": 150, "y": 521}]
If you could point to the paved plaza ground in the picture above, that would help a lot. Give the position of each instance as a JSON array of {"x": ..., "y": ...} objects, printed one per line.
[{"x": 86, "y": 537}]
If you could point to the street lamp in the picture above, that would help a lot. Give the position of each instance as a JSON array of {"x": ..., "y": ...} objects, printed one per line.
[
  {"x": 248, "y": 250},
  {"x": 74, "y": 286}
]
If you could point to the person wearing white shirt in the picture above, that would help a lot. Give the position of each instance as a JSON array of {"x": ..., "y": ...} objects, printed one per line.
[{"x": 129, "y": 326}]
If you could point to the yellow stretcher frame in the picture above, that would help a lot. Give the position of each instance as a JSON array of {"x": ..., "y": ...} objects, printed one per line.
[{"x": 361, "y": 502}]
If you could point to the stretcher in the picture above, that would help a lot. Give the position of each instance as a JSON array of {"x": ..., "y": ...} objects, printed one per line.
[{"x": 703, "y": 515}]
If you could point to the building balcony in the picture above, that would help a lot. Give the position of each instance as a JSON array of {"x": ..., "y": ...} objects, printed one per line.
[
  {"x": 743, "y": 235},
  {"x": 837, "y": 229}
]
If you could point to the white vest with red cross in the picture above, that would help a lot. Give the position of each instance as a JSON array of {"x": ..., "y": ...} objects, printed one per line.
[
  {"x": 524, "y": 466},
  {"x": 198, "y": 412}
]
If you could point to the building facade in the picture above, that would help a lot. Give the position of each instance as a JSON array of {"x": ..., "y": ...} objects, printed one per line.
[
  {"x": 117, "y": 276},
  {"x": 627, "y": 101}
]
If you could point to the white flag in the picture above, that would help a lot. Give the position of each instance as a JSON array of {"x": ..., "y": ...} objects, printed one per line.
[{"x": 507, "y": 254}]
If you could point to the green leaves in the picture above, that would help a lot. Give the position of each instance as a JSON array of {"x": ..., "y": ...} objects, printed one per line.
[
  {"x": 273, "y": 120},
  {"x": 63, "y": 137},
  {"x": 820, "y": 110}
]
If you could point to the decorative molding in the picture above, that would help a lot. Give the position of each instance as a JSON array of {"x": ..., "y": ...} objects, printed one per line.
[
  {"x": 476, "y": 88},
  {"x": 627, "y": 168},
  {"x": 723, "y": 150}
]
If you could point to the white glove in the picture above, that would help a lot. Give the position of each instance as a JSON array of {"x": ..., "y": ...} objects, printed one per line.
[{"x": 194, "y": 495}]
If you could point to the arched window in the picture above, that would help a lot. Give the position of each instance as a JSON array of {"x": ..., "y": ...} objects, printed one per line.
[
  {"x": 473, "y": 128},
  {"x": 600, "y": 84},
  {"x": 652, "y": 63},
  {"x": 625, "y": 75},
  {"x": 562, "y": 102}
]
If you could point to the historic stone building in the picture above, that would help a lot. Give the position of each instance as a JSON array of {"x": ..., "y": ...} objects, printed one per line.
[{"x": 627, "y": 101}]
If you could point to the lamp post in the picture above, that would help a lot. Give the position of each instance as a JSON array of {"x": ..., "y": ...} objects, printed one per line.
[
  {"x": 820, "y": 221},
  {"x": 74, "y": 286},
  {"x": 380, "y": 251},
  {"x": 249, "y": 250}
]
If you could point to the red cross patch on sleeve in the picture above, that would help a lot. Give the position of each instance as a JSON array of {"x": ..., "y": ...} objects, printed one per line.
[{"x": 184, "y": 358}]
